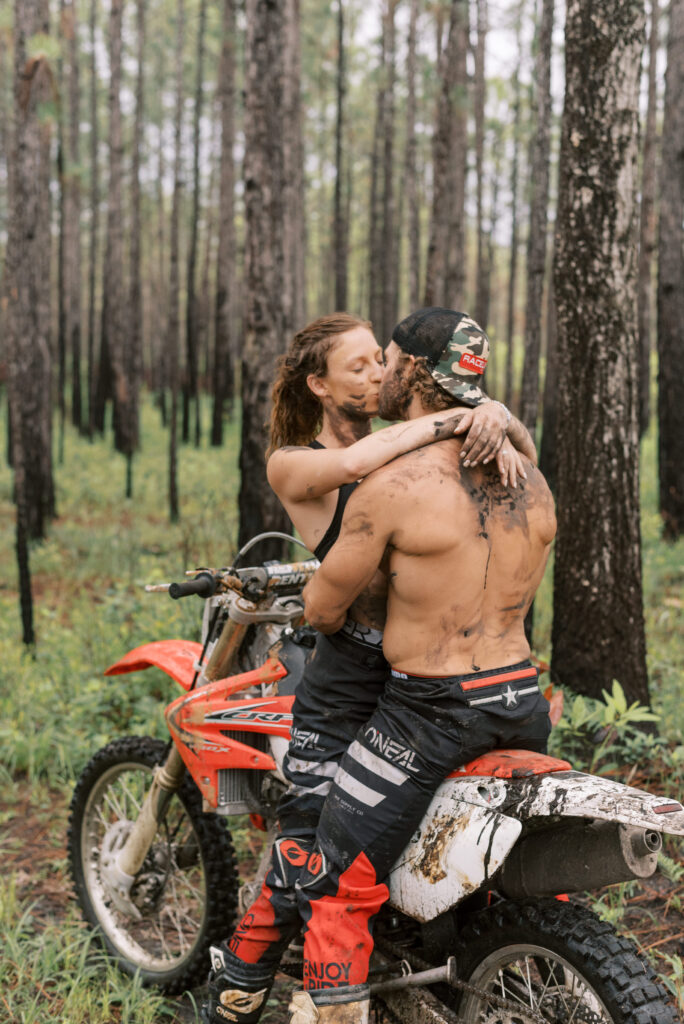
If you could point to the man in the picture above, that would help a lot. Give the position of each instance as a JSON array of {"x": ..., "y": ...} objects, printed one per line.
[
  {"x": 464, "y": 556},
  {"x": 324, "y": 397}
]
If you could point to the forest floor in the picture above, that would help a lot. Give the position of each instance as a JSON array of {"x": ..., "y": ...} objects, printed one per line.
[{"x": 34, "y": 852}]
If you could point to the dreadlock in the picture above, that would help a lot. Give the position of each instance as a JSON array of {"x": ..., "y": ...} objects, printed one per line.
[{"x": 296, "y": 413}]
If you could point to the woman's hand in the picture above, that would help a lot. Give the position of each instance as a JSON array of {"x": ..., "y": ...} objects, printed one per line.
[
  {"x": 510, "y": 465},
  {"x": 485, "y": 430}
]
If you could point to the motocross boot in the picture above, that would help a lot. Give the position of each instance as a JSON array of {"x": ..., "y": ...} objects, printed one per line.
[
  {"x": 348, "y": 1005},
  {"x": 237, "y": 991}
]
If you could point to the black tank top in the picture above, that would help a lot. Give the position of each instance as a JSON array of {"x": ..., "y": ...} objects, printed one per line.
[{"x": 333, "y": 531}]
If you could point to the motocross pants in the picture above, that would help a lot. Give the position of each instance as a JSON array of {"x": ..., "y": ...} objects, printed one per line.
[
  {"x": 422, "y": 729},
  {"x": 339, "y": 691}
]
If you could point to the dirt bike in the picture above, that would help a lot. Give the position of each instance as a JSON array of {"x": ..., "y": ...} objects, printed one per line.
[{"x": 477, "y": 927}]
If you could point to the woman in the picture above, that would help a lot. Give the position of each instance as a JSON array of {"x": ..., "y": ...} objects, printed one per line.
[{"x": 324, "y": 398}]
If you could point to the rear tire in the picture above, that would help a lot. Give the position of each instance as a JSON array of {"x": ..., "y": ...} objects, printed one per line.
[
  {"x": 560, "y": 959},
  {"x": 186, "y": 890}
]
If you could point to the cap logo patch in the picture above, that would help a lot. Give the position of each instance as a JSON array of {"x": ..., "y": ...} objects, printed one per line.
[{"x": 474, "y": 363}]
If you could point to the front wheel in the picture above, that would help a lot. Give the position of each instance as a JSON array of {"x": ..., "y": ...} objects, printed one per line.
[
  {"x": 185, "y": 893},
  {"x": 558, "y": 960}
]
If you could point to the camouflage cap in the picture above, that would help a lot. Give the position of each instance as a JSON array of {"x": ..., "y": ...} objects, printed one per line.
[{"x": 455, "y": 347}]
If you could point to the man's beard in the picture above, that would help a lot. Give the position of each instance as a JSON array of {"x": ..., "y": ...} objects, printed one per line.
[{"x": 395, "y": 394}]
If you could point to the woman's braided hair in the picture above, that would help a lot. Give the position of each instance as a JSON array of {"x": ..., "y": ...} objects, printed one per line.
[{"x": 296, "y": 412}]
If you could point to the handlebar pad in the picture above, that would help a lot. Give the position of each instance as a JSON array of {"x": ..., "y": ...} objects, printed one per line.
[{"x": 204, "y": 584}]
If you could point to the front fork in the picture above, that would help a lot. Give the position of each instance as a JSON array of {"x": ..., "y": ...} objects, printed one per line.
[
  {"x": 121, "y": 864},
  {"x": 123, "y": 859}
]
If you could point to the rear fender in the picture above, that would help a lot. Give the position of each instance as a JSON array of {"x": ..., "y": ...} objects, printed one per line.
[{"x": 178, "y": 658}]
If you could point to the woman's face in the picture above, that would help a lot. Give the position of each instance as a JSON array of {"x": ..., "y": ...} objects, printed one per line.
[{"x": 352, "y": 382}]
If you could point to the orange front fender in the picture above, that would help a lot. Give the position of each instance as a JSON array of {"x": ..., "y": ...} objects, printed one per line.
[{"x": 178, "y": 658}]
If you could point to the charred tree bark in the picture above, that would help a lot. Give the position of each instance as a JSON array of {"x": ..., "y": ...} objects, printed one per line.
[
  {"x": 479, "y": 99},
  {"x": 389, "y": 237},
  {"x": 340, "y": 225},
  {"x": 94, "y": 217},
  {"x": 134, "y": 335},
  {"x": 598, "y": 624},
  {"x": 671, "y": 287},
  {"x": 647, "y": 228},
  {"x": 27, "y": 342},
  {"x": 224, "y": 322},
  {"x": 174, "y": 271},
  {"x": 513, "y": 266},
  {"x": 191, "y": 380},
  {"x": 293, "y": 154},
  {"x": 547, "y": 451},
  {"x": 536, "y": 239},
  {"x": 265, "y": 275},
  {"x": 442, "y": 285},
  {"x": 410, "y": 165},
  {"x": 114, "y": 325}
]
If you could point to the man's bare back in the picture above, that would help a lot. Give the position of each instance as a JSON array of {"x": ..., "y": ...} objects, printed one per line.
[{"x": 463, "y": 553}]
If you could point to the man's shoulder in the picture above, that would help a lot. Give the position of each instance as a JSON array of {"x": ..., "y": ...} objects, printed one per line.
[{"x": 414, "y": 467}]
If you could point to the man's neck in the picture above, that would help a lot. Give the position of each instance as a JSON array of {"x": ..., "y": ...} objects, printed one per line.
[
  {"x": 340, "y": 431},
  {"x": 415, "y": 409}
]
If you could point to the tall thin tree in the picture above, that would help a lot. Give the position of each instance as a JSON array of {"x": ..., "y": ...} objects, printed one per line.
[
  {"x": 224, "y": 320},
  {"x": 27, "y": 343},
  {"x": 671, "y": 287},
  {"x": 410, "y": 164},
  {"x": 598, "y": 624},
  {"x": 340, "y": 225},
  {"x": 539, "y": 201},
  {"x": 449, "y": 151},
  {"x": 513, "y": 258},
  {"x": 647, "y": 225},
  {"x": 174, "y": 268},
  {"x": 191, "y": 379},
  {"x": 479, "y": 102},
  {"x": 94, "y": 215},
  {"x": 134, "y": 334}
]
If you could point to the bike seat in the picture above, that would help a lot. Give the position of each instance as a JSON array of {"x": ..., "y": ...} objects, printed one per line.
[{"x": 511, "y": 764}]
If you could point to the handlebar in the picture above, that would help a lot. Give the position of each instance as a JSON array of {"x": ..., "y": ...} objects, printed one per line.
[
  {"x": 253, "y": 583},
  {"x": 204, "y": 585}
]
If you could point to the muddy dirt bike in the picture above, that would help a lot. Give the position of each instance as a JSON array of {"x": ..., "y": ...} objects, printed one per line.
[{"x": 474, "y": 930}]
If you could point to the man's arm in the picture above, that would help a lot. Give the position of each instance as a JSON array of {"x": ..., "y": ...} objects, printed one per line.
[{"x": 352, "y": 561}]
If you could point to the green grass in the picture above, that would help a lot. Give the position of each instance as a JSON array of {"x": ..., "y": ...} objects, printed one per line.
[{"x": 57, "y": 708}]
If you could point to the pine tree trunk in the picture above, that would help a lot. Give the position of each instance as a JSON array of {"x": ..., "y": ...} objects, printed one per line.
[
  {"x": 224, "y": 383},
  {"x": 340, "y": 228},
  {"x": 536, "y": 239},
  {"x": 265, "y": 274},
  {"x": 388, "y": 234},
  {"x": 479, "y": 99},
  {"x": 547, "y": 451},
  {"x": 513, "y": 268},
  {"x": 410, "y": 164},
  {"x": 598, "y": 625},
  {"x": 671, "y": 287},
  {"x": 114, "y": 325},
  {"x": 94, "y": 208},
  {"x": 27, "y": 342},
  {"x": 294, "y": 251},
  {"x": 174, "y": 271},
  {"x": 191, "y": 383},
  {"x": 135, "y": 333},
  {"x": 647, "y": 235},
  {"x": 445, "y": 274}
]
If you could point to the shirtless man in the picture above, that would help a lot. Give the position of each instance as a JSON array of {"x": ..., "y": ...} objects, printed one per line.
[
  {"x": 324, "y": 398},
  {"x": 464, "y": 555}
]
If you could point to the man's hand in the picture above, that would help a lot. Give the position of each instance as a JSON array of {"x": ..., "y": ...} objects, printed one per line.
[{"x": 485, "y": 429}]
